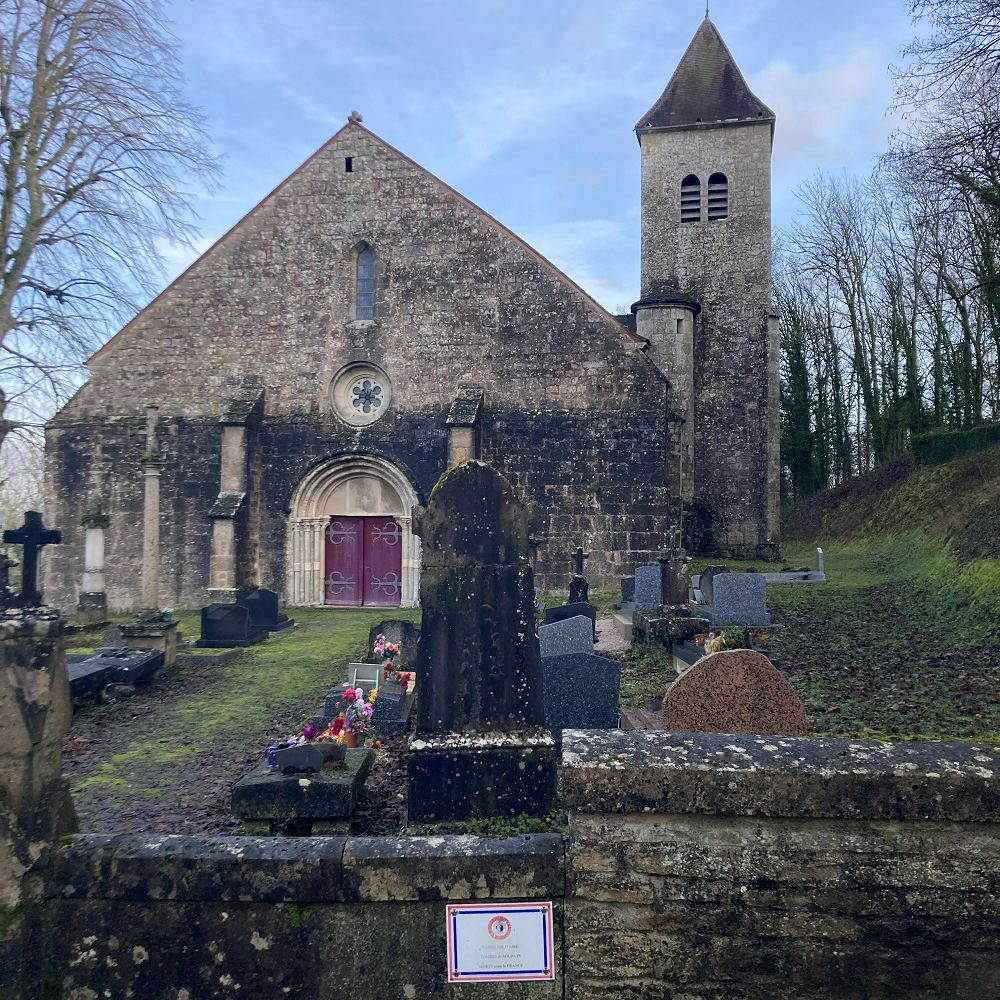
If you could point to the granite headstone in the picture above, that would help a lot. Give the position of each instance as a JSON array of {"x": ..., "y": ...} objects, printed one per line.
[
  {"x": 561, "y": 612},
  {"x": 628, "y": 589},
  {"x": 647, "y": 587},
  {"x": 405, "y": 634},
  {"x": 573, "y": 635},
  {"x": 264, "y": 609},
  {"x": 581, "y": 692},
  {"x": 740, "y": 599},
  {"x": 705, "y": 584},
  {"x": 734, "y": 691},
  {"x": 224, "y": 625}
]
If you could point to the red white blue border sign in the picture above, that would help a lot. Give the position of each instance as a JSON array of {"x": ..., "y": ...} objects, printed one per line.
[{"x": 500, "y": 942}]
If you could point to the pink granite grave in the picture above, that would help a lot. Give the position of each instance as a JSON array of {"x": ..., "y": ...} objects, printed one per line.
[{"x": 734, "y": 691}]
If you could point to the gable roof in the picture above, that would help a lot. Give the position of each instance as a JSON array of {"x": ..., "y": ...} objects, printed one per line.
[
  {"x": 354, "y": 123},
  {"x": 707, "y": 88}
]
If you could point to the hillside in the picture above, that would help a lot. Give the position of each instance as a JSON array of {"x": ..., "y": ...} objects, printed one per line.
[{"x": 957, "y": 504}]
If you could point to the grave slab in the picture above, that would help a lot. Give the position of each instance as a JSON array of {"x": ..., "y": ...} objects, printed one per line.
[
  {"x": 574, "y": 635},
  {"x": 735, "y": 691},
  {"x": 332, "y": 793},
  {"x": 581, "y": 692},
  {"x": 392, "y": 709}
]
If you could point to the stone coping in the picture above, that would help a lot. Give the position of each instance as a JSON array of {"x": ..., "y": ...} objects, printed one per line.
[
  {"x": 721, "y": 774},
  {"x": 153, "y": 867}
]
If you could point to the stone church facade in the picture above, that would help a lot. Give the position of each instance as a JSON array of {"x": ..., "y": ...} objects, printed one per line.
[{"x": 365, "y": 326}]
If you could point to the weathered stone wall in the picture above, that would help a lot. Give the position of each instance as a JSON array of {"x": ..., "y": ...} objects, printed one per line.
[
  {"x": 590, "y": 477},
  {"x": 744, "y": 867},
  {"x": 189, "y": 918},
  {"x": 726, "y": 266}
]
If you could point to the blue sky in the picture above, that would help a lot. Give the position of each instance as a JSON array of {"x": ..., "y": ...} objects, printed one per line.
[{"x": 525, "y": 107}]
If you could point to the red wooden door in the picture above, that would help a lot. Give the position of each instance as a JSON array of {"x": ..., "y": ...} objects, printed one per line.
[
  {"x": 343, "y": 555},
  {"x": 383, "y": 563},
  {"x": 363, "y": 562}
]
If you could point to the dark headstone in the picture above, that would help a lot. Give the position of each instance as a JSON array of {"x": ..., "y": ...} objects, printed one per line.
[
  {"x": 265, "y": 612},
  {"x": 308, "y": 758},
  {"x": 581, "y": 692},
  {"x": 705, "y": 584},
  {"x": 579, "y": 590},
  {"x": 628, "y": 589},
  {"x": 561, "y": 612},
  {"x": 392, "y": 709},
  {"x": 735, "y": 691},
  {"x": 225, "y": 625},
  {"x": 481, "y": 747},
  {"x": 112, "y": 665},
  {"x": 405, "y": 634},
  {"x": 572, "y": 635}
]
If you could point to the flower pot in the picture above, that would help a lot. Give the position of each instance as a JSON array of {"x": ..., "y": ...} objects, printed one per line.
[{"x": 351, "y": 739}]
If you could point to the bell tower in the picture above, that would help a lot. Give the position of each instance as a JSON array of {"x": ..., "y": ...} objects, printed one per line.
[{"x": 706, "y": 306}]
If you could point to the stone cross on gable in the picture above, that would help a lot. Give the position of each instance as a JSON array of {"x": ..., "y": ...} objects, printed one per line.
[{"x": 32, "y": 536}]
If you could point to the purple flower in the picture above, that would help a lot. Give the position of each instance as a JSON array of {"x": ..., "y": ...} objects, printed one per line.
[
  {"x": 309, "y": 731},
  {"x": 272, "y": 755}
]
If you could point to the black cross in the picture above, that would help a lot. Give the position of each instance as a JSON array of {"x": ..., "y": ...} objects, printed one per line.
[
  {"x": 579, "y": 556},
  {"x": 32, "y": 535}
]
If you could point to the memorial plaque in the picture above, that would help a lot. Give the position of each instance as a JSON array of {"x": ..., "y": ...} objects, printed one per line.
[{"x": 500, "y": 942}]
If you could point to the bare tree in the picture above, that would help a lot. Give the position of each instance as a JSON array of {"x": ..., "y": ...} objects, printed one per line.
[{"x": 98, "y": 149}]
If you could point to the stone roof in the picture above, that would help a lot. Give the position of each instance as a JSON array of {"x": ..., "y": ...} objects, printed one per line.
[{"x": 707, "y": 88}]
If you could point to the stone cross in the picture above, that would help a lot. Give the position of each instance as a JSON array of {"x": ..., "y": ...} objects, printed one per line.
[
  {"x": 579, "y": 556},
  {"x": 578, "y": 589},
  {"x": 32, "y": 536}
]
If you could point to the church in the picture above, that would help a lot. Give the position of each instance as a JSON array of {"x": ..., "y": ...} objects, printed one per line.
[{"x": 301, "y": 387}]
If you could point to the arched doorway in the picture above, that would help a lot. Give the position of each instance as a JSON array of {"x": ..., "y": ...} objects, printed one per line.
[{"x": 350, "y": 542}]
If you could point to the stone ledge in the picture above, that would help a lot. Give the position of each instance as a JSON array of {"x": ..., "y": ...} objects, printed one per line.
[
  {"x": 428, "y": 868},
  {"x": 150, "y": 867},
  {"x": 720, "y": 774}
]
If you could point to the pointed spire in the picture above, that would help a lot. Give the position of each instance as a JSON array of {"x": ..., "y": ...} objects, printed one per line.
[{"x": 707, "y": 88}]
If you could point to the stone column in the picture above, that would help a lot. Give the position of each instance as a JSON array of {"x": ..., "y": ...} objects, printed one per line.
[
  {"x": 35, "y": 805},
  {"x": 151, "y": 470},
  {"x": 149, "y": 629},
  {"x": 92, "y": 604}
]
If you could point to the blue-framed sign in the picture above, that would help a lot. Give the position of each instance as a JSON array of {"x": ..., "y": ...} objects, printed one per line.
[{"x": 499, "y": 942}]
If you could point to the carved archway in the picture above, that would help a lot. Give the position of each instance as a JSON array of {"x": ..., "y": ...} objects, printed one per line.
[{"x": 352, "y": 485}]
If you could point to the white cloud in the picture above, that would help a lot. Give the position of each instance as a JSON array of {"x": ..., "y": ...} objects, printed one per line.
[{"x": 830, "y": 115}]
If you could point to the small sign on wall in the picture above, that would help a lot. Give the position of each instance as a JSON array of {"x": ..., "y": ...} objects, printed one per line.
[{"x": 499, "y": 942}]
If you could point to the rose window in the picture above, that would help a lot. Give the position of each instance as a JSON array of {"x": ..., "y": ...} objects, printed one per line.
[
  {"x": 361, "y": 393},
  {"x": 366, "y": 395}
]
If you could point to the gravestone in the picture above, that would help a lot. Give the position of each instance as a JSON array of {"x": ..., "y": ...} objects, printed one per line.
[
  {"x": 579, "y": 589},
  {"x": 705, "y": 582},
  {"x": 392, "y": 709},
  {"x": 628, "y": 589},
  {"x": 366, "y": 676},
  {"x": 265, "y": 613},
  {"x": 112, "y": 665},
  {"x": 32, "y": 536},
  {"x": 405, "y": 634},
  {"x": 573, "y": 635},
  {"x": 581, "y": 692},
  {"x": 562, "y": 612},
  {"x": 734, "y": 691},
  {"x": 481, "y": 747},
  {"x": 740, "y": 599},
  {"x": 224, "y": 625},
  {"x": 647, "y": 587}
]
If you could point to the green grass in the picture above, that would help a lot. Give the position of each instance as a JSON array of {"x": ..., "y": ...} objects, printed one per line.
[{"x": 240, "y": 697}]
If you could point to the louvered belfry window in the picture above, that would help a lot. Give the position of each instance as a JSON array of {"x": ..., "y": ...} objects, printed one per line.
[
  {"x": 365, "y": 290},
  {"x": 718, "y": 197},
  {"x": 691, "y": 199}
]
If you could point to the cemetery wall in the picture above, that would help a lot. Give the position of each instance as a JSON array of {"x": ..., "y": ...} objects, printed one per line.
[
  {"x": 705, "y": 865},
  {"x": 190, "y": 918}
]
